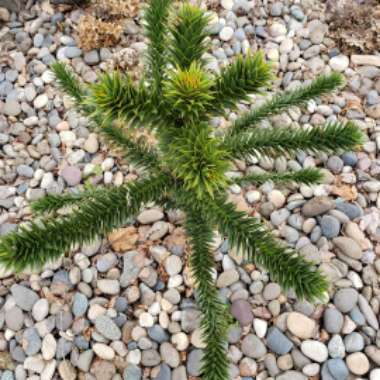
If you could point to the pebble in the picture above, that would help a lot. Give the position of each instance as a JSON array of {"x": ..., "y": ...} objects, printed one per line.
[
  {"x": 14, "y": 318},
  {"x": 24, "y": 297},
  {"x": 354, "y": 342},
  {"x": 348, "y": 247},
  {"x": 107, "y": 327},
  {"x": 317, "y": 206},
  {"x": 345, "y": 299},
  {"x": 337, "y": 369},
  {"x": 194, "y": 362},
  {"x": 227, "y": 278},
  {"x": 300, "y": 325},
  {"x": 330, "y": 226},
  {"x": 40, "y": 101},
  {"x": 226, "y": 33},
  {"x": 278, "y": 342},
  {"x": 271, "y": 291},
  {"x": 103, "y": 351},
  {"x": 333, "y": 320},
  {"x": 108, "y": 286},
  {"x": 72, "y": 175},
  {"x": 314, "y": 350},
  {"x": 253, "y": 347},
  {"x": 242, "y": 311},
  {"x": 358, "y": 363},
  {"x": 339, "y": 63}
]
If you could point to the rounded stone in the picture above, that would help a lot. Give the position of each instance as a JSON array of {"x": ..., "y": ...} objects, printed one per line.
[
  {"x": 300, "y": 325},
  {"x": 358, "y": 363},
  {"x": 72, "y": 175},
  {"x": 253, "y": 347},
  {"x": 242, "y": 311},
  {"x": 345, "y": 299},
  {"x": 314, "y": 350},
  {"x": 339, "y": 63},
  {"x": 226, "y": 33},
  {"x": 348, "y": 247},
  {"x": 330, "y": 226},
  {"x": 271, "y": 291},
  {"x": 354, "y": 342},
  {"x": 333, "y": 320}
]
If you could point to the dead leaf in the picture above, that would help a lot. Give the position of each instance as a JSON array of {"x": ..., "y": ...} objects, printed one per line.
[
  {"x": 349, "y": 193},
  {"x": 123, "y": 239}
]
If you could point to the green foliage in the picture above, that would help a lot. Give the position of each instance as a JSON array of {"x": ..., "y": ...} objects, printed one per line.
[
  {"x": 67, "y": 81},
  {"x": 256, "y": 244},
  {"x": 323, "y": 85},
  {"x": 155, "y": 22},
  {"x": 308, "y": 176},
  {"x": 115, "y": 97},
  {"x": 334, "y": 137},
  {"x": 185, "y": 163},
  {"x": 195, "y": 158},
  {"x": 246, "y": 75},
  {"x": 48, "y": 238},
  {"x": 188, "y": 37},
  {"x": 215, "y": 319},
  {"x": 187, "y": 93}
]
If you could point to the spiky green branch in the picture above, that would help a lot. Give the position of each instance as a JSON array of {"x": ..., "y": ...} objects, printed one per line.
[
  {"x": 215, "y": 318},
  {"x": 334, "y": 137},
  {"x": 246, "y": 75},
  {"x": 46, "y": 239},
  {"x": 323, "y": 85},
  {"x": 308, "y": 176},
  {"x": 156, "y": 26},
  {"x": 253, "y": 241},
  {"x": 138, "y": 153},
  {"x": 188, "y": 37}
]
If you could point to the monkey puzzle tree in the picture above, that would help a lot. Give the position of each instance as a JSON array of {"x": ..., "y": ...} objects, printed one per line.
[{"x": 185, "y": 166}]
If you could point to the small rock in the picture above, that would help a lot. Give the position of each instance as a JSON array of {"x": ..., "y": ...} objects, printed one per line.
[
  {"x": 358, "y": 363},
  {"x": 330, "y": 226},
  {"x": 317, "y": 206},
  {"x": 339, "y": 63},
  {"x": 253, "y": 347},
  {"x": 338, "y": 369},
  {"x": 14, "y": 318},
  {"x": 271, "y": 291},
  {"x": 333, "y": 320},
  {"x": 300, "y": 325},
  {"x": 41, "y": 101},
  {"x": 242, "y": 311},
  {"x": 278, "y": 342},
  {"x": 103, "y": 351},
  {"x": 345, "y": 299},
  {"x": 226, "y": 33},
  {"x": 354, "y": 342},
  {"x": 25, "y": 298},
  {"x": 67, "y": 371},
  {"x": 108, "y": 286},
  {"x": 348, "y": 247},
  {"x": 227, "y": 278},
  {"x": 194, "y": 362},
  {"x": 107, "y": 327},
  {"x": 314, "y": 350},
  {"x": 72, "y": 175},
  {"x": 150, "y": 216}
]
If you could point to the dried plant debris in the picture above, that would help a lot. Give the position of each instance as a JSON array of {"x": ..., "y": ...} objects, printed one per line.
[
  {"x": 355, "y": 24},
  {"x": 103, "y": 24}
]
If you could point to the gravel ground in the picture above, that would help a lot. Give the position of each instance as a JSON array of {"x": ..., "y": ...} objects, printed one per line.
[{"x": 124, "y": 308}]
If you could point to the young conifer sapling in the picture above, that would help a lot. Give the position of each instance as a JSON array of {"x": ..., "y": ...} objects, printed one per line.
[{"x": 184, "y": 162}]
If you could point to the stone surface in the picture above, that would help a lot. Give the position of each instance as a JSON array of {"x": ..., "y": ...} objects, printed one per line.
[{"x": 300, "y": 325}]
